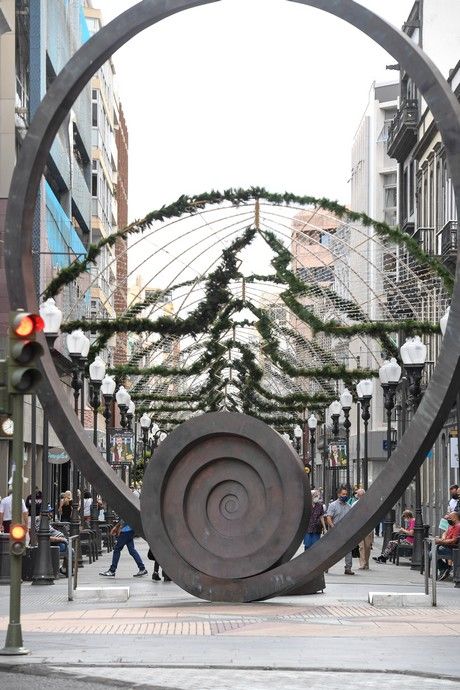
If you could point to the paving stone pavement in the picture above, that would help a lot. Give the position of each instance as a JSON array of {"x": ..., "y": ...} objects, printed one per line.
[{"x": 157, "y": 638}]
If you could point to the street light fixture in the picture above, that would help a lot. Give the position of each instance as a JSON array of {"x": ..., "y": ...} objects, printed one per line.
[
  {"x": 312, "y": 425},
  {"x": 146, "y": 423},
  {"x": 346, "y": 400},
  {"x": 389, "y": 375},
  {"x": 108, "y": 386},
  {"x": 97, "y": 371},
  {"x": 123, "y": 399},
  {"x": 335, "y": 409},
  {"x": 78, "y": 347},
  {"x": 365, "y": 390},
  {"x": 130, "y": 414},
  {"x": 413, "y": 355},
  {"x": 298, "y": 436},
  {"x": 43, "y": 570}
]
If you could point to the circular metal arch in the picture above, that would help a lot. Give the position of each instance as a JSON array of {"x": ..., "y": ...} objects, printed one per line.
[{"x": 440, "y": 394}]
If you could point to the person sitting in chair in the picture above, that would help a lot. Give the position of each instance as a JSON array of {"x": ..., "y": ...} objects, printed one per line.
[{"x": 405, "y": 534}]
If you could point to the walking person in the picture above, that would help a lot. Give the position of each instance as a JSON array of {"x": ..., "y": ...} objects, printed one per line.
[
  {"x": 125, "y": 537},
  {"x": 316, "y": 523},
  {"x": 6, "y": 513},
  {"x": 365, "y": 546},
  {"x": 336, "y": 511}
]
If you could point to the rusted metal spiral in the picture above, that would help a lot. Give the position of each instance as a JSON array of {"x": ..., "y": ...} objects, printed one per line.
[{"x": 225, "y": 495}]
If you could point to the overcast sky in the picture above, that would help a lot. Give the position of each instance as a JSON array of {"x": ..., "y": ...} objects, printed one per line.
[{"x": 246, "y": 92}]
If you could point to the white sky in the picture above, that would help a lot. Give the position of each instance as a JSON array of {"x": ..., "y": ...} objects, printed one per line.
[{"x": 246, "y": 92}]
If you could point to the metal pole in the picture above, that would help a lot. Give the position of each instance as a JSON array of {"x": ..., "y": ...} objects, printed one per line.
[
  {"x": 43, "y": 570},
  {"x": 133, "y": 475},
  {"x": 82, "y": 419},
  {"x": 33, "y": 475},
  {"x": 312, "y": 456},
  {"x": 358, "y": 443},
  {"x": 388, "y": 521},
  {"x": 13, "y": 644},
  {"x": 414, "y": 375},
  {"x": 347, "y": 425},
  {"x": 325, "y": 454},
  {"x": 75, "y": 517},
  {"x": 94, "y": 521}
]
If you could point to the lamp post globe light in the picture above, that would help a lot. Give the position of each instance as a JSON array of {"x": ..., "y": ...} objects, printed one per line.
[
  {"x": 413, "y": 355},
  {"x": 297, "y": 436},
  {"x": 346, "y": 401},
  {"x": 43, "y": 568},
  {"x": 97, "y": 371},
  {"x": 146, "y": 423},
  {"x": 443, "y": 321},
  {"x": 123, "y": 399},
  {"x": 335, "y": 409},
  {"x": 312, "y": 425},
  {"x": 78, "y": 347},
  {"x": 365, "y": 391},
  {"x": 130, "y": 415},
  {"x": 389, "y": 375}
]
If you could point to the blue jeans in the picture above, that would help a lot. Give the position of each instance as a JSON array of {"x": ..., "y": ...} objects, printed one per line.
[
  {"x": 310, "y": 538},
  {"x": 125, "y": 539}
]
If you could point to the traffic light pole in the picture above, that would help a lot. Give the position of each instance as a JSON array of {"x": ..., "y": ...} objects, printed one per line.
[{"x": 14, "y": 645}]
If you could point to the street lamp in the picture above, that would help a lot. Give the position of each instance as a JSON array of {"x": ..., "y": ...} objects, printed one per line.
[
  {"x": 96, "y": 375},
  {"x": 78, "y": 347},
  {"x": 346, "y": 400},
  {"x": 145, "y": 423},
  {"x": 312, "y": 424},
  {"x": 130, "y": 414},
  {"x": 108, "y": 386},
  {"x": 43, "y": 569},
  {"x": 365, "y": 390},
  {"x": 413, "y": 355},
  {"x": 335, "y": 409},
  {"x": 123, "y": 399},
  {"x": 297, "y": 436},
  {"x": 389, "y": 375}
]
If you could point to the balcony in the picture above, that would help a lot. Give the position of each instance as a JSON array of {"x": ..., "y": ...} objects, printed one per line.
[
  {"x": 402, "y": 135},
  {"x": 447, "y": 241},
  {"x": 426, "y": 239}
]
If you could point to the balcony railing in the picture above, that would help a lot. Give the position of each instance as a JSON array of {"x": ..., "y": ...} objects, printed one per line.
[
  {"x": 448, "y": 241},
  {"x": 426, "y": 239},
  {"x": 402, "y": 135}
]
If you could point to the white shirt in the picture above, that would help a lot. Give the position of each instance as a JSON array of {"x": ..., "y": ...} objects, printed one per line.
[
  {"x": 88, "y": 502},
  {"x": 452, "y": 505},
  {"x": 5, "y": 507}
]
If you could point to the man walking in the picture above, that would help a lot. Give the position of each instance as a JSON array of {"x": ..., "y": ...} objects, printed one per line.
[
  {"x": 336, "y": 512},
  {"x": 365, "y": 545},
  {"x": 6, "y": 513},
  {"x": 125, "y": 537}
]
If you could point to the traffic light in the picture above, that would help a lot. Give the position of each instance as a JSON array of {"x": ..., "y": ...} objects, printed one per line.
[
  {"x": 24, "y": 351},
  {"x": 17, "y": 539}
]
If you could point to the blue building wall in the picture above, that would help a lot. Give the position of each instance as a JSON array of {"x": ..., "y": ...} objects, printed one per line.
[{"x": 58, "y": 28}]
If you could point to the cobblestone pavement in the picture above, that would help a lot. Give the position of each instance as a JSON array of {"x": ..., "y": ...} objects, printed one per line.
[{"x": 157, "y": 638}]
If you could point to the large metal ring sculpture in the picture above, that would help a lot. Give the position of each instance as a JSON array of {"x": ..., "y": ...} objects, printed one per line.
[{"x": 440, "y": 394}]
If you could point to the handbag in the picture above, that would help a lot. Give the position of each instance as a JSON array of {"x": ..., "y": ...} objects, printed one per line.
[{"x": 355, "y": 552}]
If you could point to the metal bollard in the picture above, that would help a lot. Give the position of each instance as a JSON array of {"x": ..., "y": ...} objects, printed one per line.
[{"x": 72, "y": 562}]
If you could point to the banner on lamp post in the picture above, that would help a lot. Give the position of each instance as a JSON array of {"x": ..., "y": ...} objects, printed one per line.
[{"x": 454, "y": 452}]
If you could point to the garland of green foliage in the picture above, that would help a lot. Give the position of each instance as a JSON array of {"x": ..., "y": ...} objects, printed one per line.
[{"x": 191, "y": 205}]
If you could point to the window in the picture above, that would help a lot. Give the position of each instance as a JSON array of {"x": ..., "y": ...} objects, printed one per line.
[{"x": 390, "y": 198}]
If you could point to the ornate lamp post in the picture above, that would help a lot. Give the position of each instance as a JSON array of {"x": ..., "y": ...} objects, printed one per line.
[
  {"x": 389, "y": 374},
  {"x": 96, "y": 376},
  {"x": 312, "y": 424},
  {"x": 108, "y": 386},
  {"x": 43, "y": 568},
  {"x": 413, "y": 355},
  {"x": 365, "y": 390},
  {"x": 77, "y": 345},
  {"x": 123, "y": 399},
  {"x": 335, "y": 409},
  {"x": 130, "y": 415},
  {"x": 346, "y": 400},
  {"x": 297, "y": 437},
  {"x": 145, "y": 423}
]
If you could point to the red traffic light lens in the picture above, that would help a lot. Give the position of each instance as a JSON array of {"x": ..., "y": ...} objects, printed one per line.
[
  {"x": 17, "y": 532},
  {"x": 28, "y": 324}
]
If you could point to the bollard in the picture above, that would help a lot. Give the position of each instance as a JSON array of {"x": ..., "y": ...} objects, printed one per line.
[
  {"x": 456, "y": 568},
  {"x": 4, "y": 559}
]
